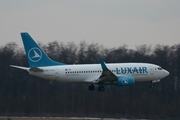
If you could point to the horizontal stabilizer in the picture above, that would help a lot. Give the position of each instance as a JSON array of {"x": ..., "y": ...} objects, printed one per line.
[{"x": 19, "y": 67}]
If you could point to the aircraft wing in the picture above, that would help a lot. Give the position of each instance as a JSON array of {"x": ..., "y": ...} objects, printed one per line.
[{"x": 106, "y": 76}]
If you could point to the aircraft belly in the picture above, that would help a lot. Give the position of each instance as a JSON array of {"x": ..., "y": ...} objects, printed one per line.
[
  {"x": 76, "y": 78},
  {"x": 137, "y": 77}
]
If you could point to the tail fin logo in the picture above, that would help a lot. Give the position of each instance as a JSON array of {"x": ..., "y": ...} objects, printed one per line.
[{"x": 35, "y": 54}]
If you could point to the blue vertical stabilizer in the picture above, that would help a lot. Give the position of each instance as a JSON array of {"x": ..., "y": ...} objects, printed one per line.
[{"x": 35, "y": 55}]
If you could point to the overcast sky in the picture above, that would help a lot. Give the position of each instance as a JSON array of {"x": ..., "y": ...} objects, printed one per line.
[{"x": 110, "y": 23}]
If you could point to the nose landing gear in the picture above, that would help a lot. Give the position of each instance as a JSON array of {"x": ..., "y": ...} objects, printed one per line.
[
  {"x": 151, "y": 86},
  {"x": 101, "y": 88}
]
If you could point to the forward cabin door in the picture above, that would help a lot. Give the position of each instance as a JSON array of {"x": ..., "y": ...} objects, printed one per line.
[{"x": 151, "y": 70}]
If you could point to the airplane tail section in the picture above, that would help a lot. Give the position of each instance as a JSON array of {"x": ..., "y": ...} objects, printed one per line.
[{"x": 35, "y": 55}]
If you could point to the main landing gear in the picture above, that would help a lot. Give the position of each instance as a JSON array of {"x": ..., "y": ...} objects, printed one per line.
[
  {"x": 101, "y": 88},
  {"x": 91, "y": 87}
]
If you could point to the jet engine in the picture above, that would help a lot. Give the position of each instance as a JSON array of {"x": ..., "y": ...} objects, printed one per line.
[{"x": 125, "y": 81}]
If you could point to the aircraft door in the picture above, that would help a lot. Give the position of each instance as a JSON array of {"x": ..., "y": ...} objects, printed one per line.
[{"x": 151, "y": 70}]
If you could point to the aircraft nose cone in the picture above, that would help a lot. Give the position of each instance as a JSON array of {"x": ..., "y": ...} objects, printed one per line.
[{"x": 166, "y": 73}]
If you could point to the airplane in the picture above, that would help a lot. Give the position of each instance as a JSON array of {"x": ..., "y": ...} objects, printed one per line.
[{"x": 120, "y": 74}]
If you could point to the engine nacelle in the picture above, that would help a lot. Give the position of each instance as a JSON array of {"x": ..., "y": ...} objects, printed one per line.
[{"x": 125, "y": 81}]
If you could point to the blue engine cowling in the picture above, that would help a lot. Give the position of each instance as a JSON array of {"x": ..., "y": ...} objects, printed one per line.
[{"x": 125, "y": 81}]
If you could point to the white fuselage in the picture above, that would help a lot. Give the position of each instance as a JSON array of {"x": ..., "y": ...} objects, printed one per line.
[
  {"x": 91, "y": 72},
  {"x": 120, "y": 74}
]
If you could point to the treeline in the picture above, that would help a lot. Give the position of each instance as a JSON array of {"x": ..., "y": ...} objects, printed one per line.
[{"x": 25, "y": 95}]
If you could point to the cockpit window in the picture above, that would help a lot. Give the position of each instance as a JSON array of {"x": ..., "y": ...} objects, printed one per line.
[{"x": 159, "y": 68}]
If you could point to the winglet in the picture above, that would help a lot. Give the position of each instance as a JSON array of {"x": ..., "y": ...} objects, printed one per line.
[{"x": 104, "y": 67}]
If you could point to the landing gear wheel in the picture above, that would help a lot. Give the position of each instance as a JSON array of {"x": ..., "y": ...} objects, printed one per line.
[
  {"x": 101, "y": 88},
  {"x": 151, "y": 86},
  {"x": 91, "y": 87}
]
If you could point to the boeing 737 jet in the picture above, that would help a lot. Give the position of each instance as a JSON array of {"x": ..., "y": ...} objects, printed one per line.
[{"x": 120, "y": 74}]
